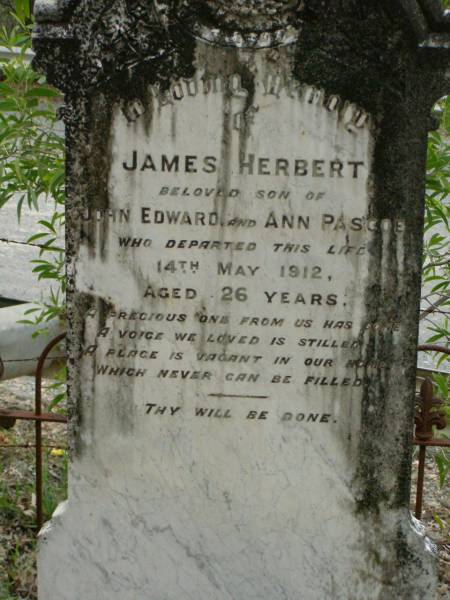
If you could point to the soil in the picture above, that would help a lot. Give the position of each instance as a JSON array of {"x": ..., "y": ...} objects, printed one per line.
[{"x": 17, "y": 500}]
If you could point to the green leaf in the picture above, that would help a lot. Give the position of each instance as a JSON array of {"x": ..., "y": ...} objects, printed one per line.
[
  {"x": 48, "y": 225},
  {"x": 6, "y": 89},
  {"x": 37, "y": 236},
  {"x": 441, "y": 382},
  {"x": 8, "y": 105},
  {"x": 442, "y": 461},
  {"x": 41, "y": 92},
  {"x": 22, "y": 9},
  {"x": 19, "y": 207}
]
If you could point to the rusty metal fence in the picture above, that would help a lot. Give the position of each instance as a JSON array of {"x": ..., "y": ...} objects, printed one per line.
[
  {"x": 8, "y": 419},
  {"x": 428, "y": 417}
]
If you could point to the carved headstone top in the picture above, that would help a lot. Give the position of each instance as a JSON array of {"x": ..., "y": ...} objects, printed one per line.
[
  {"x": 53, "y": 11},
  {"x": 247, "y": 23}
]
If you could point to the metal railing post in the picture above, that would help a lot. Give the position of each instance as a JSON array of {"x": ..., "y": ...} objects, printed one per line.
[{"x": 38, "y": 425}]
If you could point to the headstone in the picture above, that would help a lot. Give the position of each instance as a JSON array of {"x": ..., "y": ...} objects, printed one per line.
[{"x": 245, "y": 205}]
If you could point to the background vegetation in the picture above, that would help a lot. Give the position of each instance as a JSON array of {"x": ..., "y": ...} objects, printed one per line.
[{"x": 6, "y": 18}]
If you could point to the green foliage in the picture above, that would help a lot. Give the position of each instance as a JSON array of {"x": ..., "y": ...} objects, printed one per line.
[
  {"x": 436, "y": 267},
  {"x": 444, "y": 527},
  {"x": 54, "y": 482},
  {"x": 17, "y": 518},
  {"x": 11, "y": 500},
  {"x": 6, "y": 18},
  {"x": 22, "y": 10},
  {"x": 442, "y": 455},
  {"x": 17, "y": 512},
  {"x": 32, "y": 169},
  {"x": 58, "y": 388}
]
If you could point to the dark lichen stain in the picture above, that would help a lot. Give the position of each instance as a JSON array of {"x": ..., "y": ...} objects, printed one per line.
[
  {"x": 364, "y": 53},
  {"x": 82, "y": 307},
  {"x": 109, "y": 62},
  {"x": 248, "y": 84},
  {"x": 79, "y": 307},
  {"x": 218, "y": 18}
]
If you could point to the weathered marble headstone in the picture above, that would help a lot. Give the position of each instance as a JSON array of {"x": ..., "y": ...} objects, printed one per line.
[{"x": 245, "y": 205}]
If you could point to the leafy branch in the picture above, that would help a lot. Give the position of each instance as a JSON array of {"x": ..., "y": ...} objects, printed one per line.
[{"x": 32, "y": 168}]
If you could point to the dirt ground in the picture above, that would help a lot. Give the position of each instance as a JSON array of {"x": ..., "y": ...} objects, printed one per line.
[{"x": 17, "y": 501}]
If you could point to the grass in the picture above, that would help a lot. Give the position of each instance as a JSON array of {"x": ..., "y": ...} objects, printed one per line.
[{"x": 18, "y": 511}]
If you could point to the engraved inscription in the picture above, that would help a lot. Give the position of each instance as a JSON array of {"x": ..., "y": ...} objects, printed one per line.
[{"x": 241, "y": 265}]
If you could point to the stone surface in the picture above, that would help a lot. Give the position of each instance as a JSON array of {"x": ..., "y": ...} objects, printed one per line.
[
  {"x": 53, "y": 11},
  {"x": 245, "y": 223},
  {"x": 17, "y": 281}
]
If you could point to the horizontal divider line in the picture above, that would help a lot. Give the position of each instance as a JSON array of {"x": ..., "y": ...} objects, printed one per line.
[{"x": 238, "y": 396}]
